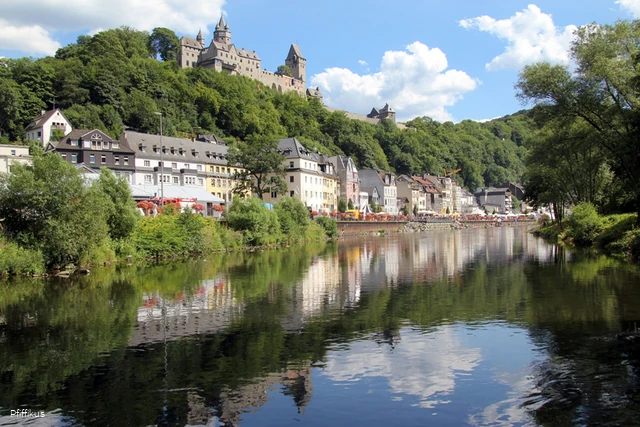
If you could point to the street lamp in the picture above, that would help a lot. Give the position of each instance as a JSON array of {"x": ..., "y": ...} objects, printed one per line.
[{"x": 161, "y": 162}]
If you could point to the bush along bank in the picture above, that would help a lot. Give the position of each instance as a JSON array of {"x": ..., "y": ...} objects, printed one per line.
[
  {"x": 51, "y": 216},
  {"x": 614, "y": 234},
  {"x": 249, "y": 225}
]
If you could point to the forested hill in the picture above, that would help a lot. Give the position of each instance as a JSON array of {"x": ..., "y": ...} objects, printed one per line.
[{"x": 114, "y": 80}]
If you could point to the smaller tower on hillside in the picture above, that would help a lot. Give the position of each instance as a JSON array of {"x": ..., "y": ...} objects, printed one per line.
[
  {"x": 222, "y": 34},
  {"x": 297, "y": 63},
  {"x": 387, "y": 113}
]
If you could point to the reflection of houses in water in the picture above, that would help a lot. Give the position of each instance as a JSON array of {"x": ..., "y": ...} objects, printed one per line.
[
  {"x": 210, "y": 309},
  {"x": 424, "y": 257},
  {"x": 250, "y": 397}
]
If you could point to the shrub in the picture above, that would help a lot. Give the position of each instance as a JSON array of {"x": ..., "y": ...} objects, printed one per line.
[
  {"x": 293, "y": 218},
  {"x": 17, "y": 260},
  {"x": 258, "y": 224},
  {"x": 583, "y": 225},
  {"x": 316, "y": 232},
  {"x": 329, "y": 225}
]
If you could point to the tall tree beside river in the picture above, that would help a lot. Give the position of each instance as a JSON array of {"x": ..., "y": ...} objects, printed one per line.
[{"x": 601, "y": 94}]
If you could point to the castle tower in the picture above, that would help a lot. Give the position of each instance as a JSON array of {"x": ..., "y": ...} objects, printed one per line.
[
  {"x": 222, "y": 34},
  {"x": 297, "y": 63},
  {"x": 387, "y": 113},
  {"x": 200, "y": 38}
]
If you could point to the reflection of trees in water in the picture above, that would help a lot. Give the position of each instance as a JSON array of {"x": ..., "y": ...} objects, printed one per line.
[
  {"x": 563, "y": 304},
  {"x": 590, "y": 377}
]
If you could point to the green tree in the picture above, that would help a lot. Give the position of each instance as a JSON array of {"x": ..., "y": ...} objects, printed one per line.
[
  {"x": 415, "y": 210},
  {"x": 48, "y": 206},
  {"x": 165, "y": 43},
  {"x": 405, "y": 210},
  {"x": 342, "y": 205},
  {"x": 293, "y": 217},
  {"x": 258, "y": 224},
  {"x": 602, "y": 93},
  {"x": 121, "y": 211},
  {"x": 350, "y": 204},
  {"x": 263, "y": 165},
  {"x": 284, "y": 70}
]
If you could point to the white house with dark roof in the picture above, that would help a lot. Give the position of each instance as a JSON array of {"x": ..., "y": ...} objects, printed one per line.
[
  {"x": 184, "y": 160},
  {"x": 41, "y": 128},
  {"x": 311, "y": 177}
]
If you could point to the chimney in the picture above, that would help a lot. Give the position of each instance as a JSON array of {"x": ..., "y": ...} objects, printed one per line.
[{"x": 42, "y": 112}]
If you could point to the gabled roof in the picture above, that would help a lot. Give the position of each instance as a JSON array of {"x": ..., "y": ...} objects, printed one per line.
[
  {"x": 293, "y": 149},
  {"x": 314, "y": 92},
  {"x": 248, "y": 54},
  {"x": 191, "y": 42},
  {"x": 86, "y": 134},
  {"x": 39, "y": 121},
  {"x": 374, "y": 113},
  {"x": 136, "y": 140},
  {"x": 294, "y": 50}
]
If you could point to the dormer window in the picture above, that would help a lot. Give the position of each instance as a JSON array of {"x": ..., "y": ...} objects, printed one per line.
[
  {"x": 141, "y": 148},
  {"x": 155, "y": 148}
]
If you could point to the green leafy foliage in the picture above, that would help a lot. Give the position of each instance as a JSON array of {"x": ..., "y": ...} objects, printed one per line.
[
  {"x": 329, "y": 225},
  {"x": 342, "y": 205},
  {"x": 258, "y": 224},
  {"x": 599, "y": 102},
  {"x": 293, "y": 218},
  {"x": 113, "y": 79},
  {"x": 583, "y": 225},
  {"x": 49, "y": 207}
]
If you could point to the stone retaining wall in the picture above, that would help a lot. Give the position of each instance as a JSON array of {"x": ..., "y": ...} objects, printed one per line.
[{"x": 351, "y": 228}]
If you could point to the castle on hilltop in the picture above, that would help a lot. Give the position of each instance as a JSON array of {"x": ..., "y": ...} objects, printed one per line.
[{"x": 221, "y": 55}]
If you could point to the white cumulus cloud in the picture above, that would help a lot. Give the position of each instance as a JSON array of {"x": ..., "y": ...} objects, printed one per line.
[
  {"x": 31, "y": 25},
  {"x": 631, "y": 6},
  {"x": 531, "y": 35},
  {"x": 32, "y": 39},
  {"x": 414, "y": 82}
]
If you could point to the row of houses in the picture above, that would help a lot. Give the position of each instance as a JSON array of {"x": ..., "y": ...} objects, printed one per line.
[{"x": 197, "y": 169}]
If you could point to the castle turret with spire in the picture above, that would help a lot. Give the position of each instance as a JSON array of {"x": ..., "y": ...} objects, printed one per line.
[{"x": 222, "y": 55}]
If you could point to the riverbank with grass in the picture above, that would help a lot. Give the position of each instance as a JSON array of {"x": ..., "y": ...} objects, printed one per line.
[{"x": 617, "y": 235}]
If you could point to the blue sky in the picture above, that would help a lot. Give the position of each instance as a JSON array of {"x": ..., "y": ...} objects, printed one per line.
[{"x": 450, "y": 60}]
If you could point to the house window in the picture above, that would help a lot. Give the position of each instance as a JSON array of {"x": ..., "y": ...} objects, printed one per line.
[
  {"x": 92, "y": 158},
  {"x": 147, "y": 179},
  {"x": 291, "y": 193},
  {"x": 176, "y": 180},
  {"x": 73, "y": 142},
  {"x": 13, "y": 152},
  {"x": 103, "y": 159},
  {"x": 126, "y": 160},
  {"x": 186, "y": 166},
  {"x": 199, "y": 167},
  {"x": 74, "y": 158},
  {"x": 39, "y": 134},
  {"x": 116, "y": 160},
  {"x": 210, "y": 168},
  {"x": 174, "y": 165},
  {"x": 291, "y": 178},
  {"x": 290, "y": 164},
  {"x": 64, "y": 156},
  {"x": 217, "y": 168},
  {"x": 274, "y": 195},
  {"x": 200, "y": 181},
  {"x": 147, "y": 163}
]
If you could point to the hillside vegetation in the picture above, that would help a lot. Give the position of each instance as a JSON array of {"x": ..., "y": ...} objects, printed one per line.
[{"x": 114, "y": 80}]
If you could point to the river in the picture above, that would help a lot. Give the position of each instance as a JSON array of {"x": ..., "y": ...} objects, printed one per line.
[{"x": 478, "y": 327}]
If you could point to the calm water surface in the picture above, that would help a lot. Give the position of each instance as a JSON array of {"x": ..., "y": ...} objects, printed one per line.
[{"x": 480, "y": 327}]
